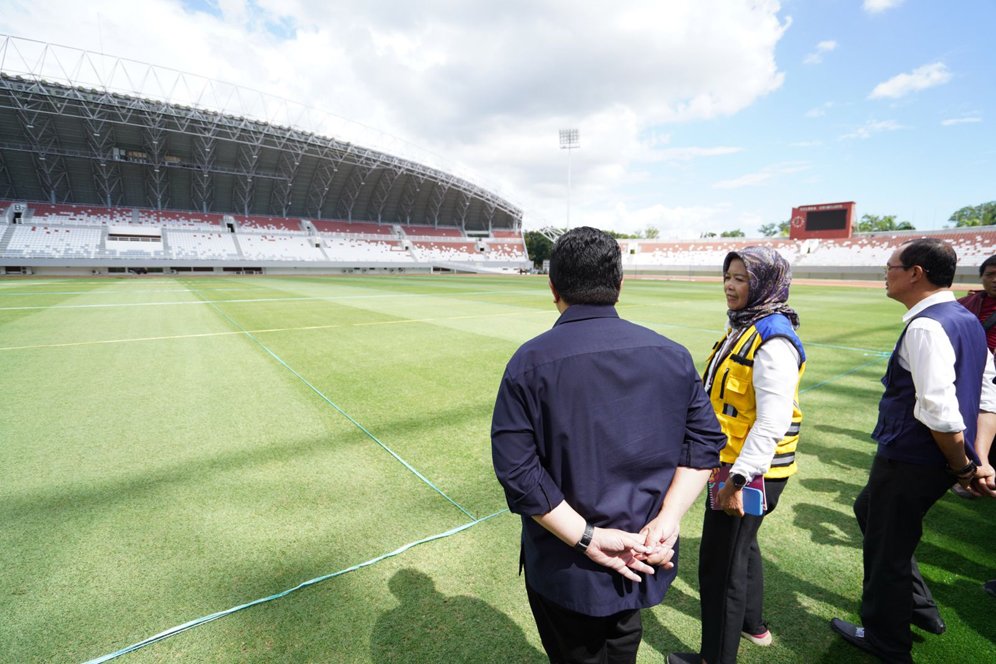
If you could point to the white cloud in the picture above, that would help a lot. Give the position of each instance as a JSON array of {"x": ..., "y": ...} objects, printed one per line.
[
  {"x": 688, "y": 153},
  {"x": 676, "y": 222},
  {"x": 484, "y": 84},
  {"x": 919, "y": 79},
  {"x": 816, "y": 57},
  {"x": 878, "y": 6},
  {"x": 871, "y": 128},
  {"x": 748, "y": 180},
  {"x": 762, "y": 176},
  {"x": 969, "y": 119},
  {"x": 819, "y": 111}
]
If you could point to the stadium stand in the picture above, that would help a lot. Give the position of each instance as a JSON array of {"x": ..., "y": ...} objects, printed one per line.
[
  {"x": 200, "y": 245},
  {"x": 445, "y": 251},
  {"x": 199, "y": 220},
  {"x": 272, "y": 247},
  {"x": 273, "y": 224},
  {"x": 159, "y": 237},
  {"x": 121, "y": 249},
  {"x": 52, "y": 242},
  {"x": 340, "y": 228},
  {"x": 45, "y": 213},
  {"x": 430, "y": 231},
  {"x": 505, "y": 249},
  {"x": 366, "y": 251}
]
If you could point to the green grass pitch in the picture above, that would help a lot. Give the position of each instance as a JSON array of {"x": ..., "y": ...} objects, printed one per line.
[{"x": 172, "y": 448}]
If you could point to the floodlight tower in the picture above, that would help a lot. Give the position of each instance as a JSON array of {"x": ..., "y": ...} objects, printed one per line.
[{"x": 569, "y": 140}]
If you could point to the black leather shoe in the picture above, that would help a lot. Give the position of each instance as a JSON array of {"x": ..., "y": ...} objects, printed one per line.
[
  {"x": 855, "y": 635},
  {"x": 932, "y": 625},
  {"x": 684, "y": 658}
]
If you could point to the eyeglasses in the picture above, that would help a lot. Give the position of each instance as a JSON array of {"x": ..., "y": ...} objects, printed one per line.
[{"x": 890, "y": 268}]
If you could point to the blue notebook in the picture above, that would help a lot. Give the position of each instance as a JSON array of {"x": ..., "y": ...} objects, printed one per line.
[{"x": 754, "y": 498}]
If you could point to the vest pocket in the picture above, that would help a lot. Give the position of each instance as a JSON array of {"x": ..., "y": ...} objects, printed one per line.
[
  {"x": 736, "y": 385},
  {"x": 735, "y": 429},
  {"x": 893, "y": 423}
]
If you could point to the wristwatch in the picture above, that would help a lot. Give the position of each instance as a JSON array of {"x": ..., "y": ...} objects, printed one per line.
[
  {"x": 739, "y": 481},
  {"x": 585, "y": 540}
]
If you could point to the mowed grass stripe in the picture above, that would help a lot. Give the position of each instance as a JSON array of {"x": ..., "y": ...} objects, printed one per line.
[
  {"x": 104, "y": 305},
  {"x": 104, "y": 424},
  {"x": 420, "y": 421},
  {"x": 125, "y": 519},
  {"x": 304, "y": 328},
  {"x": 342, "y": 412}
]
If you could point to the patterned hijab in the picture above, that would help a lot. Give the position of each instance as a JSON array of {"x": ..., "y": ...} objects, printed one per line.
[{"x": 769, "y": 276}]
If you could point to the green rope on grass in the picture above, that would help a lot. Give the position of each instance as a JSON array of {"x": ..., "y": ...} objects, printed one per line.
[
  {"x": 336, "y": 406},
  {"x": 173, "y": 631}
]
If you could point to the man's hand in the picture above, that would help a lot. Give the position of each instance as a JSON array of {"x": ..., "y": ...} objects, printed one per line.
[
  {"x": 730, "y": 500},
  {"x": 660, "y": 536},
  {"x": 621, "y": 551},
  {"x": 983, "y": 482}
]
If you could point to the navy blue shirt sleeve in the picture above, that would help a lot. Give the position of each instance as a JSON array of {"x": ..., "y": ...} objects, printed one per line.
[
  {"x": 703, "y": 436},
  {"x": 529, "y": 489}
]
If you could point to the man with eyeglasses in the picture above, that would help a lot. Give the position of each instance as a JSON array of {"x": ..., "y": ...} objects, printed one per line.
[{"x": 939, "y": 400}]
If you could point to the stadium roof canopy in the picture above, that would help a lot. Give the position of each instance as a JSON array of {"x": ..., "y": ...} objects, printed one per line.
[{"x": 80, "y": 127}]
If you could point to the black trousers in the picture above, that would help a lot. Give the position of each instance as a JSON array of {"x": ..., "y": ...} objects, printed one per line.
[
  {"x": 571, "y": 637},
  {"x": 731, "y": 579},
  {"x": 890, "y": 511}
]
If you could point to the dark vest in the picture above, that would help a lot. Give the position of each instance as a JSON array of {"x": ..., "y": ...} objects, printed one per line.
[{"x": 902, "y": 437}]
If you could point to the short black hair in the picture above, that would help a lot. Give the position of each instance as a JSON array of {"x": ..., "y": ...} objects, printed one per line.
[
  {"x": 586, "y": 267},
  {"x": 937, "y": 258},
  {"x": 989, "y": 262}
]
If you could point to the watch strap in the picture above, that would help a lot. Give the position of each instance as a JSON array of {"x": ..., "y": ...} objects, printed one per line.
[{"x": 589, "y": 531}]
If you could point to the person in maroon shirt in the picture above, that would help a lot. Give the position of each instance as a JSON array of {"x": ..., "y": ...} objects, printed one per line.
[{"x": 982, "y": 303}]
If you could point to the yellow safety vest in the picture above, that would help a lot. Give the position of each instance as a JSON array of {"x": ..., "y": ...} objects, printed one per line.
[{"x": 732, "y": 394}]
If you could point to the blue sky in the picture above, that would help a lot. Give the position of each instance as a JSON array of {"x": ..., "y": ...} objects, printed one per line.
[
  {"x": 823, "y": 136},
  {"x": 695, "y": 115}
]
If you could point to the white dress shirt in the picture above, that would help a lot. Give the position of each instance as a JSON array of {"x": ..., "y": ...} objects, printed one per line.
[{"x": 926, "y": 352}]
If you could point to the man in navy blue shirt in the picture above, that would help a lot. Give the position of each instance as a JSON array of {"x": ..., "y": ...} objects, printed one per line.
[{"x": 602, "y": 437}]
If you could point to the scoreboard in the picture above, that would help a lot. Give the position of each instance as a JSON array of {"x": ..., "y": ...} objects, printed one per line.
[{"x": 825, "y": 220}]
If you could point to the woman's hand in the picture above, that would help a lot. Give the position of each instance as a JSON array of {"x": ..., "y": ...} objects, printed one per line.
[{"x": 730, "y": 499}]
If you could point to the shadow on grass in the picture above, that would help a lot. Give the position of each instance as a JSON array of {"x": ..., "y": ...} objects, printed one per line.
[
  {"x": 849, "y": 392},
  {"x": 429, "y": 626},
  {"x": 970, "y": 602},
  {"x": 840, "y": 455},
  {"x": 844, "y": 491},
  {"x": 656, "y": 635},
  {"x": 801, "y": 634},
  {"x": 827, "y": 526}
]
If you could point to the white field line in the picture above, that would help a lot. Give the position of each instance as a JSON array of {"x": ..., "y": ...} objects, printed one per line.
[
  {"x": 228, "y": 333},
  {"x": 331, "y": 298}
]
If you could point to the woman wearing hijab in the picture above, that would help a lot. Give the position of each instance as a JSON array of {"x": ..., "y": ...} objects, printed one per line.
[{"x": 752, "y": 378}]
